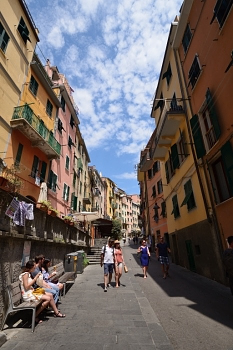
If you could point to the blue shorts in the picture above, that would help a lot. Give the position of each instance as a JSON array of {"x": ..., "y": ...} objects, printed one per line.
[
  {"x": 108, "y": 268},
  {"x": 164, "y": 260}
]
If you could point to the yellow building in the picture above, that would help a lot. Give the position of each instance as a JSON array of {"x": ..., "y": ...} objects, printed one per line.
[
  {"x": 109, "y": 198},
  {"x": 192, "y": 235},
  {"x": 18, "y": 38}
]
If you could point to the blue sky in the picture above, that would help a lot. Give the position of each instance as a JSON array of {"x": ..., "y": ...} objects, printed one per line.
[{"x": 111, "y": 53}]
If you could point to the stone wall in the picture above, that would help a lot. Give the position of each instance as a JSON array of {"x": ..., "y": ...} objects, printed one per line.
[{"x": 47, "y": 235}]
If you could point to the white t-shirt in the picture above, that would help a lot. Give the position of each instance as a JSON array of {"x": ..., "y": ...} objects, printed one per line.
[{"x": 108, "y": 256}]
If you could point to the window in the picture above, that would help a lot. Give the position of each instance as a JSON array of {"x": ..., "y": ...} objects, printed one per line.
[
  {"x": 186, "y": 38},
  {"x": 72, "y": 122},
  {"x": 159, "y": 186},
  {"x": 149, "y": 172},
  {"x": 19, "y": 154},
  {"x": 66, "y": 192},
  {"x": 52, "y": 181},
  {"x": 35, "y": 167},
  {"x": 67, "y": 163},
  {"x": 221, "y": 172},
  {"x": 175, "y": 211},
  {"x": 194, "y": 72},
  {"x": 49, "y": 108},
  {"x": 80, "y": 187},
  {"x": 74, "y": 178},
  {"x": 74, "y": 202},
  {"x": 168, "y": 74},
  {"x": 181, "y": 147},
  {"x": 153, "y": 192},
  {"x": 164, "y": 210},
  {"x": 33, "y": 86},
  {"x": 160, "y": 103},
  {"x": 221, "y": 10},
  {"x": 197, "y": 136},
  {"x": 4, "y": 38},
  {"x": 60, "y": 126},
  {"x": 156, "y": 167},
  {"x": 23, "y": 30},
  {"x": 189, "y": 197},
  {"x": 70, "y": 142},
  {"x": 63, "y": 104},
  {"x": 175, "y": 157}
]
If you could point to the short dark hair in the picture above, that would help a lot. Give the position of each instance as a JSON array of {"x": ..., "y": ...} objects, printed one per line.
[
  {"x": 39, "y": 257},
  {"x": 230, "y": 239}
]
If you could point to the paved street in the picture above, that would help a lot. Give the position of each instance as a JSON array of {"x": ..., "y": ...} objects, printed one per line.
[{"x": 185, "y": 311}]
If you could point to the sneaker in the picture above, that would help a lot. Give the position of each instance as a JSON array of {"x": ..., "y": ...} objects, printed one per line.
[
  {"x": 109, "y": 285},
  {"x": 105, "y": 289}
]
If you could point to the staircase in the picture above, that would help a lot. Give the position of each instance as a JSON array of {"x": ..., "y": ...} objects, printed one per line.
[{"x": 93, "y": 254}]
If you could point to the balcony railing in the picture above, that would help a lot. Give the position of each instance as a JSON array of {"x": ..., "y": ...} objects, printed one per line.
[{"x": 34, "y": 129}]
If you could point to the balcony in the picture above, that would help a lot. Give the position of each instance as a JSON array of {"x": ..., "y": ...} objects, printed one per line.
[
  {"x": 33, "y": 128},
  {"x": 86, "y": 200},
  {"x": 172, "y": 115},
  {"x": 114, "y": 205},
  {"x": 147, "y": 160}
]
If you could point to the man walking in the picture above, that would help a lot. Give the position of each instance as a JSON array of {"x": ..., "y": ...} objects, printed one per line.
[
  {"x": 228, "y": 261},
  {"x": 162, "y": 255},
  {"x": 107, "y": 258}
]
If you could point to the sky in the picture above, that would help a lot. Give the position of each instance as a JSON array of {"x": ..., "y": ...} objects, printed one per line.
[{"x": 111, "y": 52}]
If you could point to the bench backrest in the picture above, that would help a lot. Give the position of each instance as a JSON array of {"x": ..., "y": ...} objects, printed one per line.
[{"x": 14, "y": 293}]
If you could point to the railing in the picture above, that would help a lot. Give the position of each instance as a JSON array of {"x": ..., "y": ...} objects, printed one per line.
[{"x": 25, "y": 112}]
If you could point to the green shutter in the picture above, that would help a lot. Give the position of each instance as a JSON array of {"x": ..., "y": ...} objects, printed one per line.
[
  {"x": 72, "y": 201},
  {"x": 197, "y": 136},
  {"x": 64, "y": 191},
  {"x": 35, "y": 166},
  {"x": 227, "y": 156},
  {"x": 50, "y": 179},
  {"x": 43, "y": 171},
  {"x": 213, "y": 114},
  {"x": 75, "y": 203},
  {"x": 188, "y": 192},
  {"x": 175, "y": 157},
  {"x": 19, "y": 154},
  {"x": 68, "y": 193},
  {"x": 175, "y": 210},
  {"x": 54, "y": 182}
]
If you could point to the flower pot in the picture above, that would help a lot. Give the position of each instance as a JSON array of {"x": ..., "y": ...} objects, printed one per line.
[
  {"x": 52, "y": 213},
  {"x": 42, "y": 206}
]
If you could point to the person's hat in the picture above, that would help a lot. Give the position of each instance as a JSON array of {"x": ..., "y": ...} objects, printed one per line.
[{"x": 115, "y": 242}]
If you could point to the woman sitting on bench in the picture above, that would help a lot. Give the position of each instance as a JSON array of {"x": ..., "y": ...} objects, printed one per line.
[
  {"x": 47, "y": 277},
  {"x": 26, "y": 283}
]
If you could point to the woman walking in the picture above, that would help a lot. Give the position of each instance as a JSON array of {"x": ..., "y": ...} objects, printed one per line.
[
  {"x": 119, "y": 262},
  {"x": 145, "y": 255}
]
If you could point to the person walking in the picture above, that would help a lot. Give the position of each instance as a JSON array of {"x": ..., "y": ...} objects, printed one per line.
[
  {"x": 107, "y": 259},
  {"x": 145, "y": 256},
  {"x": 228, "y": 261},
  {"x": 119, "y": 262},
  {"x": 162, "y": 251}
]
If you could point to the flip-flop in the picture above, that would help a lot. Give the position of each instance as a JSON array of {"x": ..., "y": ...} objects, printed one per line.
[{"x": 38, "y": 321}]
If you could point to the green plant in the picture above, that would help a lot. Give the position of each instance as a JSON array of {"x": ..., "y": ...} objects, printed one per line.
[
  {"x": 85, "y": 260},
  {"x": 68, "y": 218},
  {"x": 46, "y": 203}
]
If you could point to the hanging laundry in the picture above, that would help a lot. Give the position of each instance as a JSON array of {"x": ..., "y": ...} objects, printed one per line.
[
  {"x": 28, "y": 210},
  {"x": 37, "y": 181},
  {"x": 13, "y": 207},
  {"x": 20, "y": 214}
]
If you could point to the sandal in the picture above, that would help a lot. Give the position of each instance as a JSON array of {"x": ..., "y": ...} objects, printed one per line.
[
  {"x": 59, "y": 315},
  {"x": 38, "y": 321}
]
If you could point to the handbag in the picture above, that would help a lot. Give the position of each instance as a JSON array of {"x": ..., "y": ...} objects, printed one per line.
[
  {"x": 39, "y": 280},
  {"x": 126, "y": 269},
  {"x": 38, "y": 291}
]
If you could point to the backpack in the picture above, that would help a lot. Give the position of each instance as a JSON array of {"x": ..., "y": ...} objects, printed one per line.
[{"x": 228, "y": 262}]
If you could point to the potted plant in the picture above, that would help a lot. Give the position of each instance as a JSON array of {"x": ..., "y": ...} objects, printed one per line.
[
  {"x": 43, "y": 205},
  {"x": 52, "y": 211},
  {"x": 69, "y": 220}
]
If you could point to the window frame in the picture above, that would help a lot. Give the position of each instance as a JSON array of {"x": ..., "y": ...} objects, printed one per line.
[
  {"x": 4, "y": 39},
  {"x": 193, "y": 74},
  {"x": 33, "y": 85},
  {"x": 49, "y": 108},
  {"x": 187, "y": 37},
  {"x": 23, "y": 30},
  {"x": 189, "y": 199},
  {"x": 67, "y": 163},
  {"x": 66, "y": 192}
]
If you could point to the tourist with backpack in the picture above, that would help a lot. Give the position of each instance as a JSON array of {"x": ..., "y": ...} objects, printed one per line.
[
  {"x": 107, "y": 259},
  {"x": 228, "y": 261}
]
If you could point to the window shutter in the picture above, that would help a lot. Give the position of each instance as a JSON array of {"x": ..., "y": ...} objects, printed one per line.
[
  {"x": 75, "y": 203},
  {"x": 64, "y": 191},
  {"x": 167, "y": 171},
  {"x": 175, "y": 157},
  {"x": 68, "y": 193},
  {"x": 197, "y": 136},
  {"x": 213, "y": 114},
  {"x": 227, "y": 156},
  {"x": 54, "y": 182},
  {"x": 35, "y": 166},
  {"x": 72, "y": 201},
  {"x": 43, "y": 171},
  {"x": 19, "y": 154},
  {"x": 188, "y": 192}
]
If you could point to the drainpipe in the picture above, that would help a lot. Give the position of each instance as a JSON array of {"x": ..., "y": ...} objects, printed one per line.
[
  {"x": 210, "y": 218},
  {"x": 147, "y": 204}
]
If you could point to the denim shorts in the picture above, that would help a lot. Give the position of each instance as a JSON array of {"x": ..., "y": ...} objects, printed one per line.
[{"x": 108, "y": 268}]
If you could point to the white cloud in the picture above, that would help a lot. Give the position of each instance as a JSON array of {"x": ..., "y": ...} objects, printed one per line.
[{"x": 126, "y": 176}]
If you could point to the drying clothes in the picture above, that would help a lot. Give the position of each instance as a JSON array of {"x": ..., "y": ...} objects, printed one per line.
[
  {"x": 24, "y": 211},
  {"x": 13, "y": 207},
  {"x": 28, "y": 210}
]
